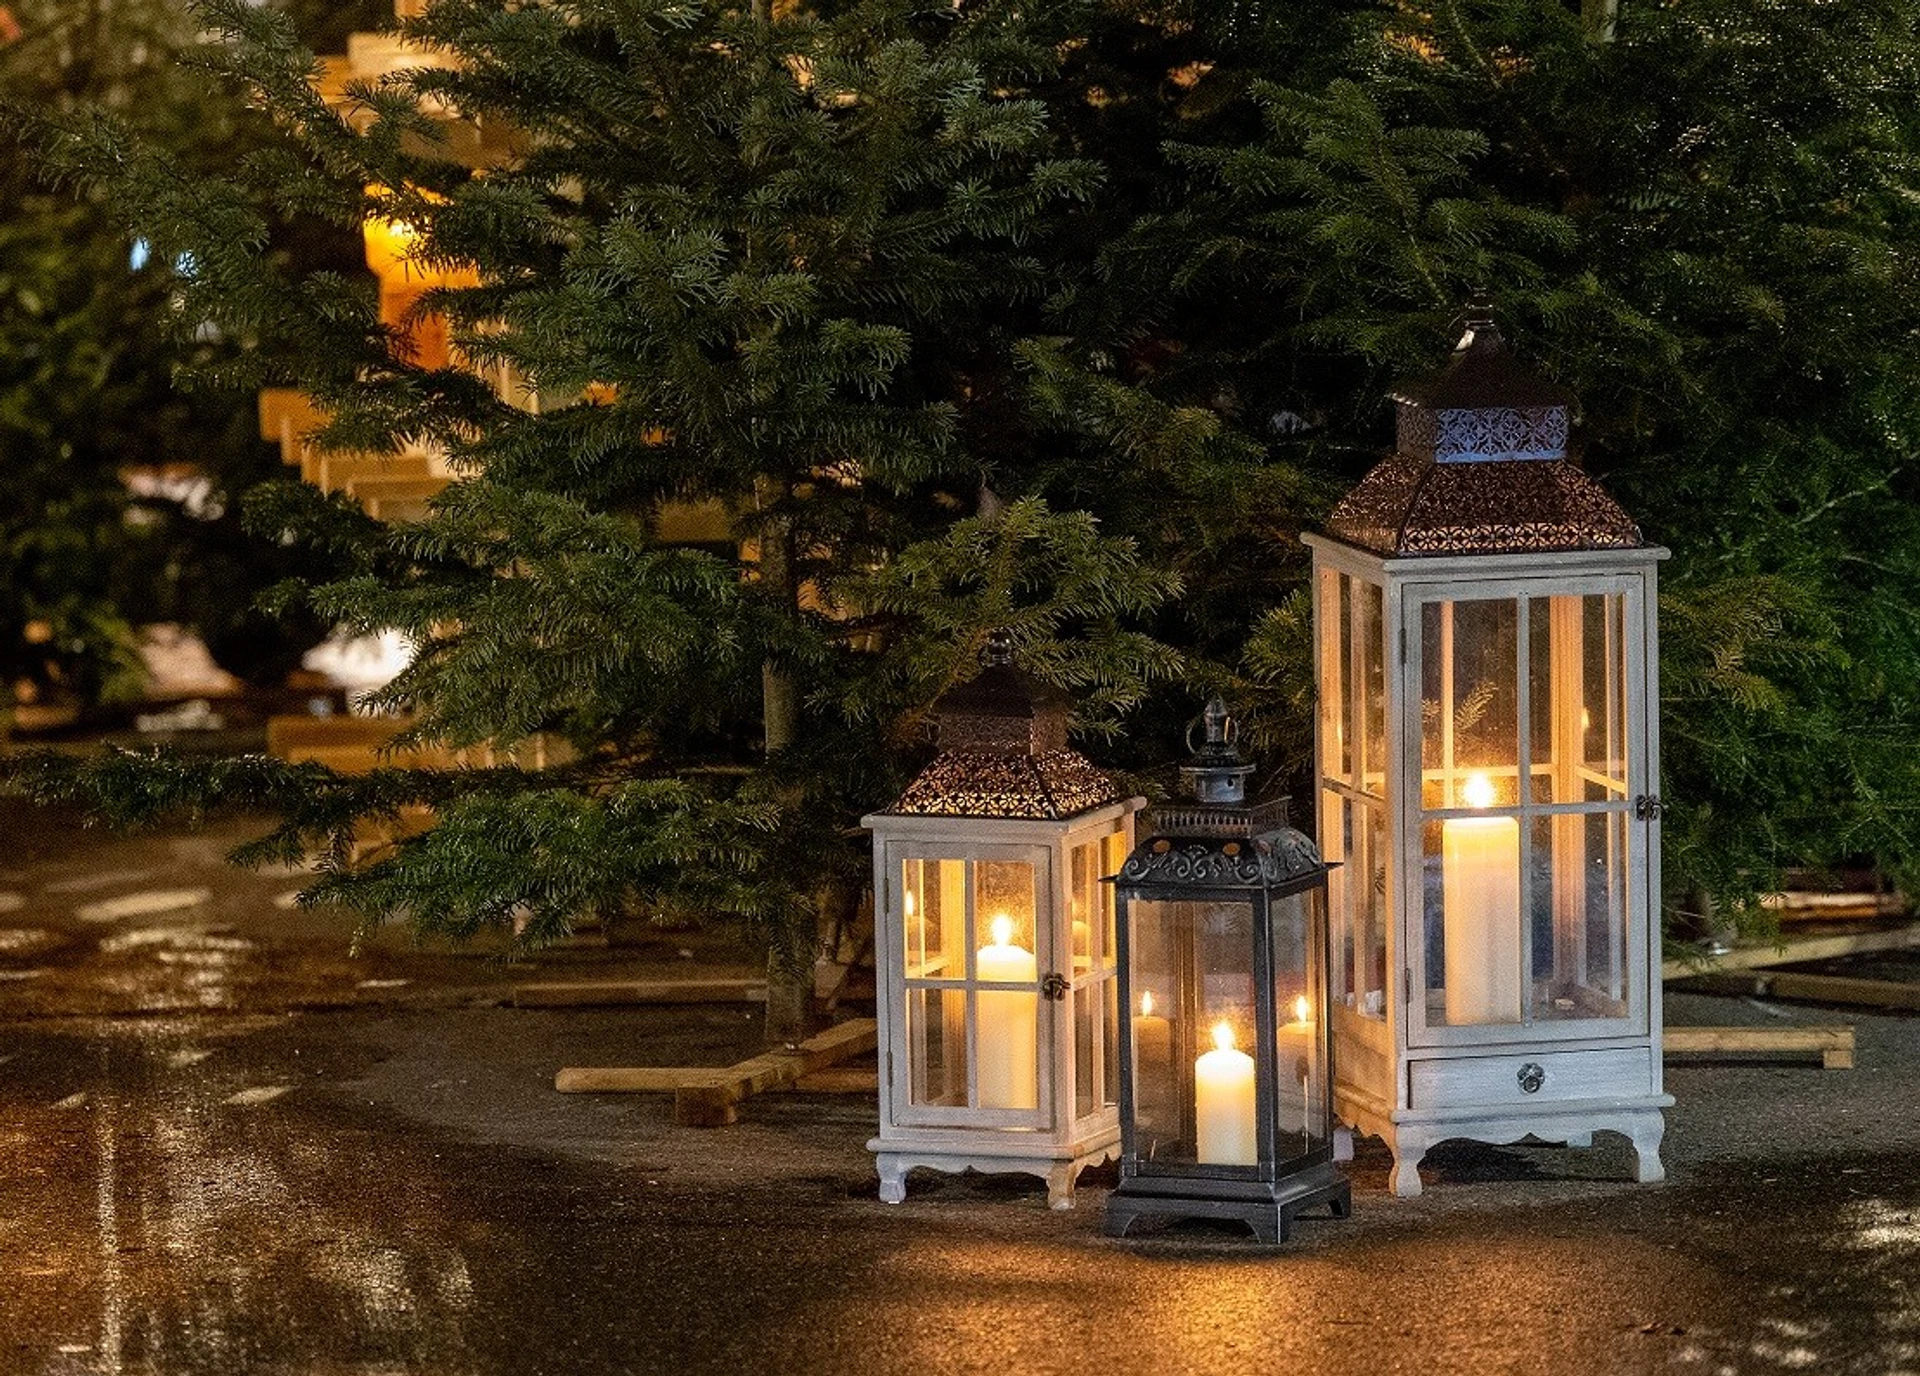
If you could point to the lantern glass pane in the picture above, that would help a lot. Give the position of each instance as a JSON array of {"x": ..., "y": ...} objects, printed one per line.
[
  {"x": 933, "y": 911},
  {"x": 1194, "y": 1032},
  {"x": 1110, "y": 1042},
  {"x": 1373, "y": 912},
  {"x": 1083, "y": 903},
  {"x": 1576, "y": 680},
  {"x": 1086, "y": 1031},
  {"x": 1003, "y": 906},
  {"x": 1357, "y": 893},
  {"x": 1007, "y": 1006},
  {"x": 1115, "y": 856},
  {"x": 1469, "y": 735},
  {"x": 1300, "y": 1081},
  {"x": 1471, "y": 910},
  {"x": 1343, "y": 927},
  {"x": 1345, "y": 734},
  {"x": 1370, "y": 688},
  {"x": 1578, "y": 900},
  {"x": 937, "y": 1047}
]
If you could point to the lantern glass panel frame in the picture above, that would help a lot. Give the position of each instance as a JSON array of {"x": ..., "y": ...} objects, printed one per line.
[
  {"x": 1518, "y": 843},
  {"x": 952, "y": 1003},
  {"x": 1232, "y": 976}
]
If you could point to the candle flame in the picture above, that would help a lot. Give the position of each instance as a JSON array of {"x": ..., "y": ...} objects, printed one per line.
[
  {"x": 909, "y": 905},
  {"x": 1222, "y": 1036},
  {"x": 1146, "y": 1004},
  {"x": 1302, "y": 1010},
  {"x": 1002, "y": 929},
  {"x": 1477, "y": 791}
]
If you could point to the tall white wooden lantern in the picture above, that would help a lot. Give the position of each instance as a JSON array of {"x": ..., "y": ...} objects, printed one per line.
[
  {"x": 1487, "y": 755},
  {"x": 994, "y": 939}
]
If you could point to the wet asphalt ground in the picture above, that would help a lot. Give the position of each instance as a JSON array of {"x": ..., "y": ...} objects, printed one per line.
[{"x": 227, "y": 1145}]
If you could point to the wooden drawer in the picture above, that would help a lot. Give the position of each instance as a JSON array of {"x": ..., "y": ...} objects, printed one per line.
[{"x": 1555, "y": 1075}]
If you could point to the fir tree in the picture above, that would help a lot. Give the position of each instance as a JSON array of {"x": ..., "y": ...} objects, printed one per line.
[
  {"x": 795, "y": 267},
  {"x": 1704, "y": 223}
]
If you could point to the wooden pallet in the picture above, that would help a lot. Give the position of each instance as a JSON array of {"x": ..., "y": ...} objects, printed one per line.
[
  {"x": 1834, "y": 1045},
  {"x": 704, "y": 1097}
]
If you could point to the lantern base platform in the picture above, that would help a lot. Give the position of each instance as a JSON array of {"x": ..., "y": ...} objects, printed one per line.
[
  {"x": 1267, "y": 1207},
  {"x": 893, "y": 1161},
  {"x": 1410, "y": 1133}
]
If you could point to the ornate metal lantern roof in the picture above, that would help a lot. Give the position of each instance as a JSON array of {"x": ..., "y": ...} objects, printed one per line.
[
  {"x": 1002, "y": 737},
  {"x": 1219, "y": 840},
  {"x": 1481, "y": 465}
]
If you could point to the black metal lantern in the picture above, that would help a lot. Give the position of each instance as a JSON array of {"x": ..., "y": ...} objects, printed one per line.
[{"x": 1226, "y": 1079}]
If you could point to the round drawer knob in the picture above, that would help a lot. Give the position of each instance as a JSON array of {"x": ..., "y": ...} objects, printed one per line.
[{"x": 1531, "y": 1076}]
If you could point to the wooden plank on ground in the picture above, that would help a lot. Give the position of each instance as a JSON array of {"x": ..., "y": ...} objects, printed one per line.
[
  {"x": 1796, "y": 949},
  {"x": 709, "y": 1097},
  {"x": 604, "y": 993},
  {"x": 1834, "y": 1045},
  {"x": 1794, "y": 984},
  {"x": 717, "y": 1104},
  {"x": 839, "y": 1081},
  {"x": 627, "y": 1080}
]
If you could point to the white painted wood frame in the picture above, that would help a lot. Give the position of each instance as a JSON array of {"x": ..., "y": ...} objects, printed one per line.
[
  {"x": 1054, "y": 1140},
  {"x": 1409, "y": 1080}
]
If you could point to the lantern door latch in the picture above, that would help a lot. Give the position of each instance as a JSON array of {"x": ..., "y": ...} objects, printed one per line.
[
  {"x": 1054, "y": 986},
  {"x": 1648, "y": 807}
]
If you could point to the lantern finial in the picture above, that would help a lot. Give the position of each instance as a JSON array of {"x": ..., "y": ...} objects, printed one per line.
[
  {"x": 1477, "y": 319},
  {"x": 999, "y": 647},
  {"x": 1217, "y": 774}
]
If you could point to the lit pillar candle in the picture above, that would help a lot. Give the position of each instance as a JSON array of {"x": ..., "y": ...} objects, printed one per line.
[
  {"x": 1224, "y": 1104},
  {"x": 1152, "y": 1064},
  {"x": 1480, "y": 905},
  {"x": 1009, "y": 1022},
  {"x": 1296, "y": 1065}
]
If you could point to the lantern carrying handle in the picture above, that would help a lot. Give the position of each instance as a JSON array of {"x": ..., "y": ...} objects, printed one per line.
[{"x": 1222, "y": 730}]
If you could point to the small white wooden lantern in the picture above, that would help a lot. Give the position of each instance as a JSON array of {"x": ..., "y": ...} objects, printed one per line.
[
  {"x": 1487, "y": 750},
  {"x": 995, "y": 944}
]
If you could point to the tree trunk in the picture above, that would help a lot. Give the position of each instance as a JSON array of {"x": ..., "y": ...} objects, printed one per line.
[{"x": 789, "y": 990}]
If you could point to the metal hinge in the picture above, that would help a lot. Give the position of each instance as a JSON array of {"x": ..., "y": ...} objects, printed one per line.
[
  {"x": 1406, "y": 986},
  {"x": 1648, "y": 807}
]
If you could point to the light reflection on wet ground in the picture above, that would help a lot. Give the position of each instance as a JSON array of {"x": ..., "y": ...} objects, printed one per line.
[{"x": 256, "y": 1164}]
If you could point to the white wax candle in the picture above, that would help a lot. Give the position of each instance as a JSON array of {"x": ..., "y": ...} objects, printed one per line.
[
  {"x": 1224, "y": 1104},
  {"x": 1480, "y": 906},
  {"x": 1152, "y": 1059},
  {"x": 1009, "y": 1022},
  {"x": 1296, "y": 1041}
]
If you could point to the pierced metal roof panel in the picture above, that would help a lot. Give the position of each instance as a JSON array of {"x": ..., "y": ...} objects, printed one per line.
[
  {"x": 1408, "y": 505},
  {"x": 1047, "y": 786}
]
